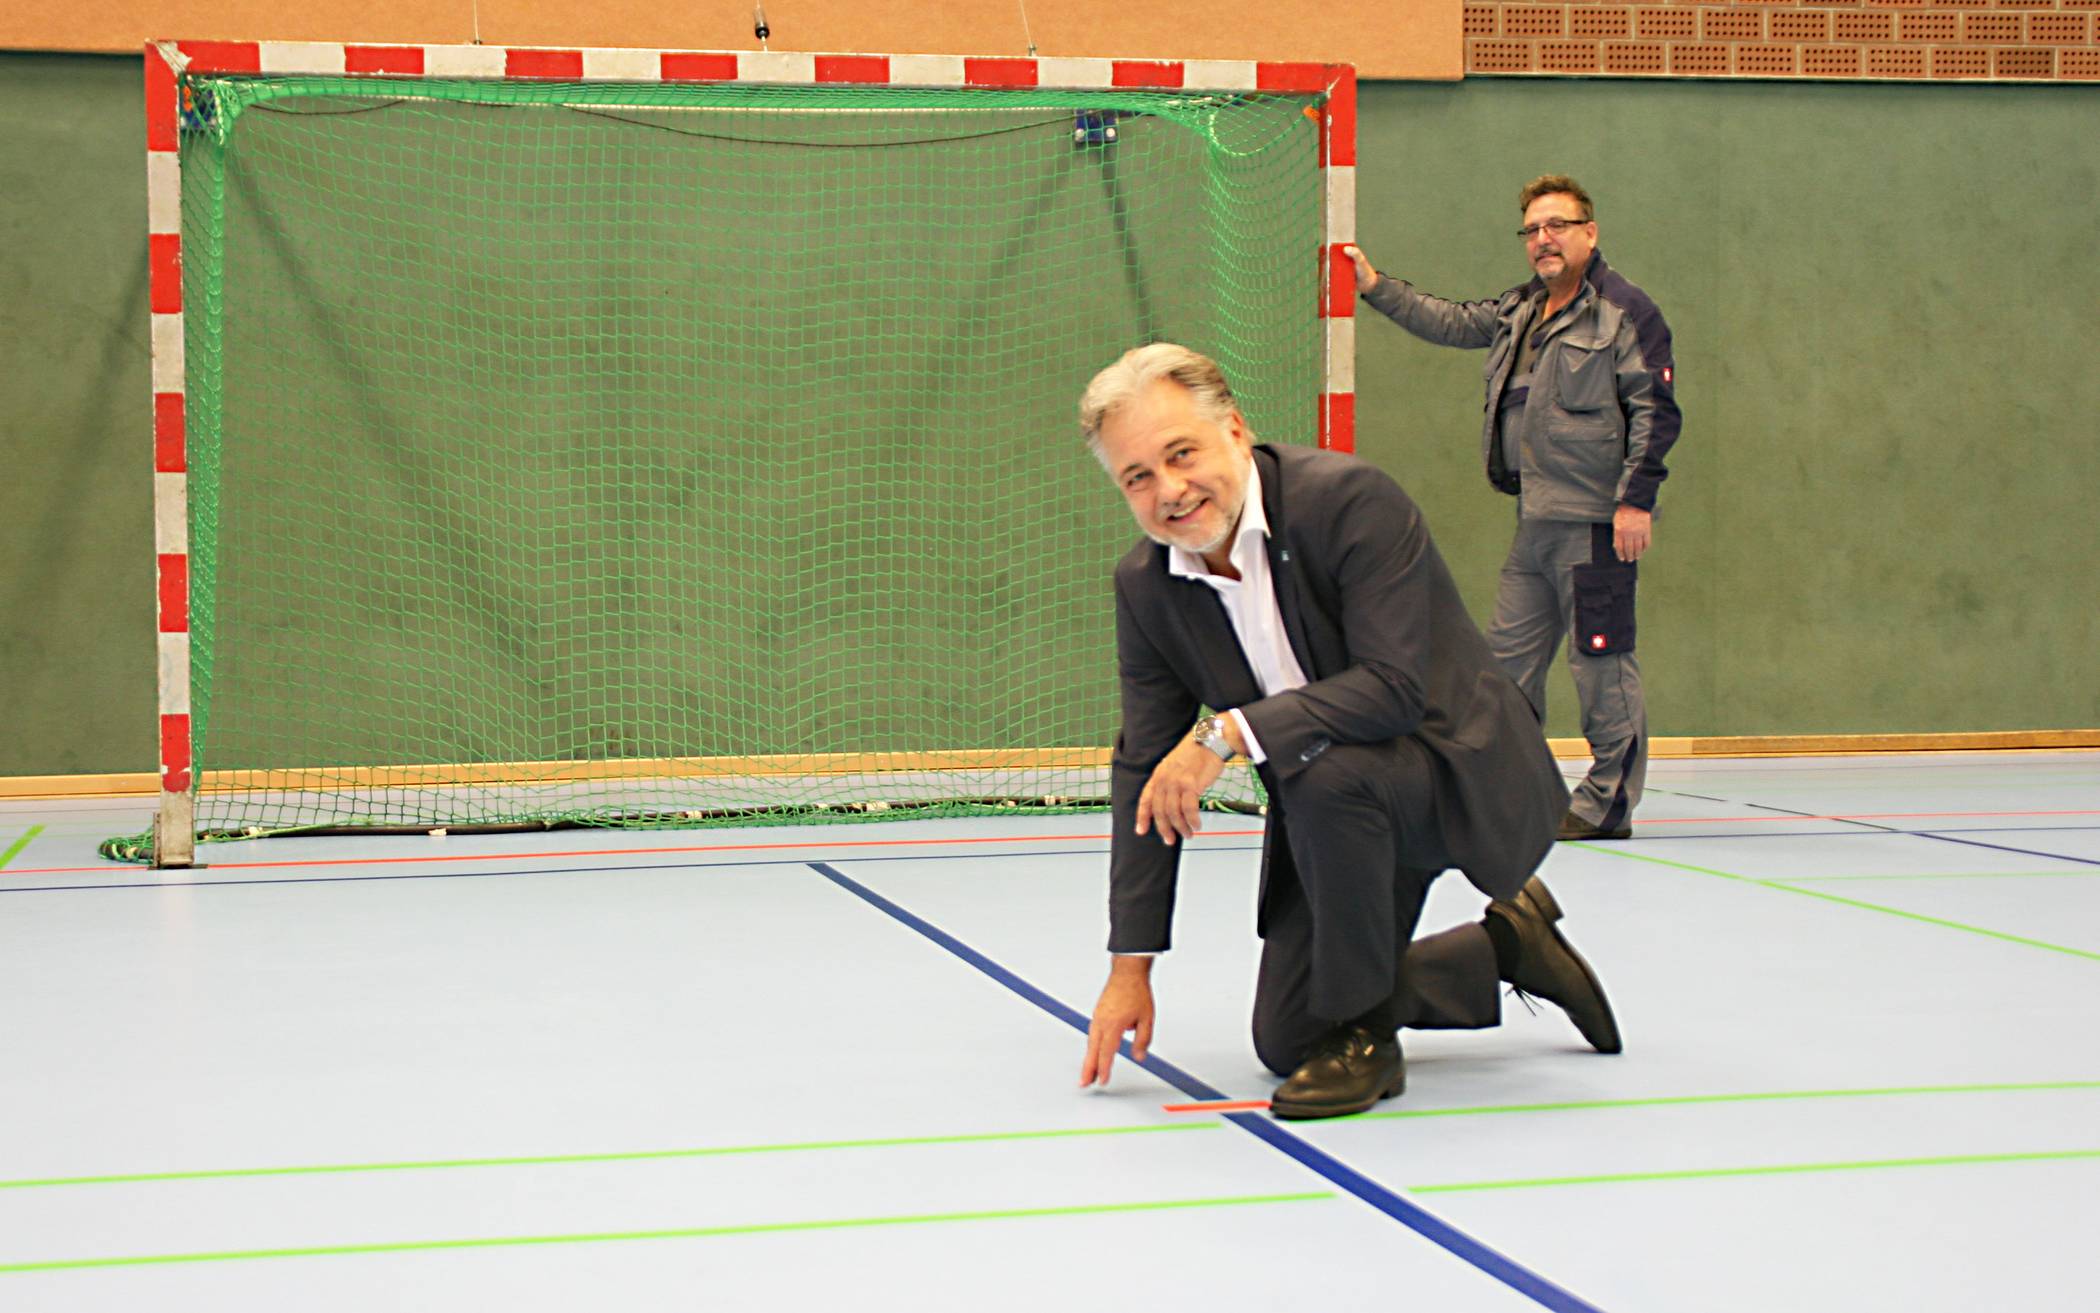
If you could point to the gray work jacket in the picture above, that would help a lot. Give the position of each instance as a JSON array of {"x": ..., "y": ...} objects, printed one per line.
[{"x": 1603, "y": 406}]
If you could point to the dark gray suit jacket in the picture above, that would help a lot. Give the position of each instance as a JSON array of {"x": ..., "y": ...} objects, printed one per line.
[{"x": 1377, "y": 625}]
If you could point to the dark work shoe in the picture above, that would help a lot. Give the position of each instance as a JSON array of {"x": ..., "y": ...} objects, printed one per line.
[
  {"x": 1574, "y": 827},
  {"x": 1350, "y": 1069},
  {"x": 1548, "y": 967}
]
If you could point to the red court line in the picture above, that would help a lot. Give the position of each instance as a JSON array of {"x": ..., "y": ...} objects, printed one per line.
[
  {"x": 1855, "y": 816},
  {"x": 1045, "y": 838},
  {"x": 1237, "y": 1105},
  {"x": 818, "y": 845}
]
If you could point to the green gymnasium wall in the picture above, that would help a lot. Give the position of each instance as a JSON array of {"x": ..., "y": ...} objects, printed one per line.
[
  {"x": 1881, "y": 514},
  {"x": 1880, "y": 517},
  {"x": 76, "y": 467}
]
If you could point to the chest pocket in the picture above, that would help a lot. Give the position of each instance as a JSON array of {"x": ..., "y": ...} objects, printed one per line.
[{"x": 1584, "y": 373}]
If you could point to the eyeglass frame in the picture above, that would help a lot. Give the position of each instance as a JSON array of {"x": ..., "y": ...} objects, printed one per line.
[{"x": 1554, "y": 227}]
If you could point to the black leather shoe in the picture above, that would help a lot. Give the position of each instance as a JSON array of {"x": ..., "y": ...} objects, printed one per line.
[
  {"x": 1350, "y": 1069},
  {"x": 1550, "y": 968},
  {"x": 1574, "y": 827}
]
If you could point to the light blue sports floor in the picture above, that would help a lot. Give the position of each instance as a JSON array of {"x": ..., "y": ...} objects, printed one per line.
[{"x": 836, "y": 1068}]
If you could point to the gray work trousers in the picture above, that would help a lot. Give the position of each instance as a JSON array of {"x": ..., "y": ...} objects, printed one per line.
[{"x": 1534, "y": 607}]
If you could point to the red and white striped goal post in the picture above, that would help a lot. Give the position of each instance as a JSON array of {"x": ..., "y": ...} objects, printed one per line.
[{"x": 165, "y": 61}]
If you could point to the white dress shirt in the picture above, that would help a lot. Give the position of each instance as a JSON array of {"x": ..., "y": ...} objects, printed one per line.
[{"x": 1250, "y": 602}]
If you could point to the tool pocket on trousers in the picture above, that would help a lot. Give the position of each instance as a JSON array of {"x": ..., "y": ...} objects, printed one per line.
[{"x": 1604, "y": 607}]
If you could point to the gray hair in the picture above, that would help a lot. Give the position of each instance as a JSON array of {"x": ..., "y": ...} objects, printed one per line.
[{"x": 1134, "y": 373}]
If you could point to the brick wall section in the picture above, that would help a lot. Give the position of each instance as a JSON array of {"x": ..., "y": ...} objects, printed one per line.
[
  {"x": 1807, "y": 26},
  {"x": 1895, "y": 63},
  {"x": 1600, "y": 22},
  {"x": 2059, "y": 29},
  {"x": 1991, "y": 29},
  {"x": 1930, "y": 40},
  {"x": 1534, "y": 20},
  {"x": 1831, "y": 61},
  {"x": 1866, "y": 29},
  {"x": 1940, "y": 29},
  {"x": 1570, "y": 57},
  {"x": 1634, "y": 59},
  {"x": 1732, "y": 24},
  {"x": 1677, "y": 24},
  {"x": 1700, "y": 61}
]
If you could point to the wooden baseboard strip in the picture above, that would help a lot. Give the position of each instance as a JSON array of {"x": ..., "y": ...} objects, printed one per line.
[
  {"x": 1810, "y": 745},
  {"x": 147, "y": 784}
]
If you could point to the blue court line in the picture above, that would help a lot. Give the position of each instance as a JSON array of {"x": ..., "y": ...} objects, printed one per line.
[
  {"x": 1099, "y": 851},
  {"x": 2003, "y": 848},
  {"x": 1432, "y": 1228},
  {"x": 1942, "y": 835},
  {"x": 1876, "y": 833},
  {"x": 1649, "y": 836},
  {"x": 2052, "y": 759}
]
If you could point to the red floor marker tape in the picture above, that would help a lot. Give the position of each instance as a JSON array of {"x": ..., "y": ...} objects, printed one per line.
[{"x": 1238, "y": 1105}]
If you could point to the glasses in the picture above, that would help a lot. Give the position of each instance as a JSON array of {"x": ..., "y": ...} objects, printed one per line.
[{"x": 1551, "y": 227}]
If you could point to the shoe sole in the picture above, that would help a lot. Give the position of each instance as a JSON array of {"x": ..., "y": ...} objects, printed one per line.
[{"x": 1301, "y": 1112}]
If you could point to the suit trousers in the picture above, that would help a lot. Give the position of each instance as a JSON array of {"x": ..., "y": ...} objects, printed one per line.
[
  {"x": 1534, "y": 608},
  {"x": 1354, "y": 848}
]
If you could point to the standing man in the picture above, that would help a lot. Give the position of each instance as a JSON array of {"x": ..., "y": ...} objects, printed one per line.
[
  {"x": 1581, "y": 410},
  {"x": 1297, "y": 593}
]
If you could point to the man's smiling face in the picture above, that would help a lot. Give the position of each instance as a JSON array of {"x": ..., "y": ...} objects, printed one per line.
[{"x": 1183, "y": 472}]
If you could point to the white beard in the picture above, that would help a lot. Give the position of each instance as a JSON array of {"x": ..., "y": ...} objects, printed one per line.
[{"x": 1224, "y": 535}]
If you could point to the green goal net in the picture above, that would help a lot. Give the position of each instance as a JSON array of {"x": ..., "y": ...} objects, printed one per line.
[{"x": 666, "y": 454}]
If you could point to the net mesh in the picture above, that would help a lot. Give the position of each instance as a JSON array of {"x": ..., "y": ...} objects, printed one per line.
[{"x": 666, "y": 454}]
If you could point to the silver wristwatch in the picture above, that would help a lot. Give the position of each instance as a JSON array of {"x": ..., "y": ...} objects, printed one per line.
[{"x": 1210, "y": 732}]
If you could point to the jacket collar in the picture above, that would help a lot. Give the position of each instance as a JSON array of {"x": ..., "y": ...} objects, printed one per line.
[
  {"x": 1271, "y": 471},
  {"x": 1283, "y": 571}
]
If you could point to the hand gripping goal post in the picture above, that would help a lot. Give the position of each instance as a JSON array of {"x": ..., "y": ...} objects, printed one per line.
[{"x": 649, "y": 437}]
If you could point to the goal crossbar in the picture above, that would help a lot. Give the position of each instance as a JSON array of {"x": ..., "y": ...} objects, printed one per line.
[{"x": 182, "y": 79}]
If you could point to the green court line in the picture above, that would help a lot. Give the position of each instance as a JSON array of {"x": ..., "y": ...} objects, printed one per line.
[
  {"x": 1777, "y": 1169},
  {"x": 678, "y": 1233},
  {"x": 641, "y": 1155},
  {"x": 1193, "y": 1124},
  {"x": 1665, "y": 1101},
  {"x": 15, "y": 849},
  {"x": 1784, "y": 887}
]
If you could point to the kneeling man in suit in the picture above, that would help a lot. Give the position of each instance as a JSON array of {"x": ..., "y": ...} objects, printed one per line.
[{"x": 1296, "y": 593}]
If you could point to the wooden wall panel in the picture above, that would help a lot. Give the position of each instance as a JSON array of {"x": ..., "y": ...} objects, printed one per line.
[
  {"x": 1411, "y": 39},
  {"x": 1834, "y": 40}
]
